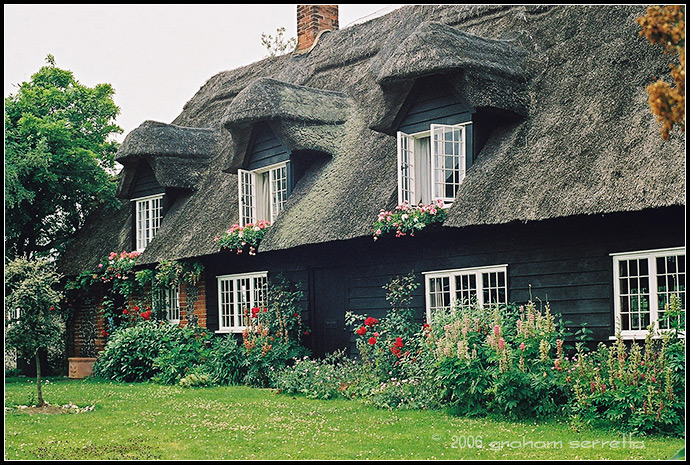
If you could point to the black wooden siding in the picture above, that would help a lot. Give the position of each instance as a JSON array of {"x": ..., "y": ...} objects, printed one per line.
[
  {"x": 265, "y": 148},
  {"x": 145, "y": 182},
  {"x": 566, "y": 262},
  {"x": 433, "y": 101}
]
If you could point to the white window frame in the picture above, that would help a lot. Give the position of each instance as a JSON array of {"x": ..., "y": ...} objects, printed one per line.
[
  {"x": 652, "y": 292},
  {"x": 262, "y": 193},
  {"x": 419, "y": 178},
  {"x": 452, "y": 274},
  {"x": 231, "y": 312},
  {"x": 148, "y": 215},
  {"x": 168, "y": 299}
]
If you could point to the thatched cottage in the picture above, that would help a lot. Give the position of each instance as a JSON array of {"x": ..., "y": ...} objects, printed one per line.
[{"x": 530, "y": 123}]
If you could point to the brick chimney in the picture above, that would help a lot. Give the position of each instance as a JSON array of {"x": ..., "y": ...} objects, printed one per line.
[{"x": 312, "y": 20}]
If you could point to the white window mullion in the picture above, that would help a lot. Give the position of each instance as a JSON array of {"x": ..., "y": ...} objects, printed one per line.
[
  {"x": 406, "y": 173},
  {"x": 246, "y": 185},
  {"x": 653, "y": 292},
  {"x": 148, "y": 217}
]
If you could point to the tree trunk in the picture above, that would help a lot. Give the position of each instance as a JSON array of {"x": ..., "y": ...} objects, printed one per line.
[{"x": 38, "y": 380}]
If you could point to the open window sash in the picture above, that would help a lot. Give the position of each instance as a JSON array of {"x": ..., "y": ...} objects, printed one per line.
[
  {"x": 406, "y": 175},
  {"x": 448, "y": 160},
  {"x": 246, "y": 184}
]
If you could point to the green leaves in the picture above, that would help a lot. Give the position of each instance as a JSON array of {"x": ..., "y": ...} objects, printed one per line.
[{"x": 57, "y": 159}]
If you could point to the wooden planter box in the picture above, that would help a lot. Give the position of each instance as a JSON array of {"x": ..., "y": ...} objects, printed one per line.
[{"x": 80, "y": 367}]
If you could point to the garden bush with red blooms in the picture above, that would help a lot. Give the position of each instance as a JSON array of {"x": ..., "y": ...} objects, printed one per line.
[
  {"x": 243, "y": 238},
  {"x": 273, "y": 336}
]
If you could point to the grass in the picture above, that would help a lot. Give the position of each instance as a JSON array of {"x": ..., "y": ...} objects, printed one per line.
[{"x": 148, "y": 421}]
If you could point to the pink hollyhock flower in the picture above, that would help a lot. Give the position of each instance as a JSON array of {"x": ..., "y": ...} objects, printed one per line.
[
  {"x": 501, "y": 344},
  {"x": 522, "y": 346}
]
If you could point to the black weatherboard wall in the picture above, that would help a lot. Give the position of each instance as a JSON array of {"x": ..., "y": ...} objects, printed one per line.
[{"x": 565, "y": 261}]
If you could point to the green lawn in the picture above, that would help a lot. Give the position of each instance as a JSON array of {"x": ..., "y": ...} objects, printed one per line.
[{"x": 148, "y": 421}]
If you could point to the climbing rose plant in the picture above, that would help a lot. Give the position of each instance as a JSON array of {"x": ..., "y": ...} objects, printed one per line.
[
  {"x": 240, "y": 238},
  {"x": 407, "y": 219}
]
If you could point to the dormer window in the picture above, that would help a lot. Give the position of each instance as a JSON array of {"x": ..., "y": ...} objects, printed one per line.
[
  {"x": 148, "y": 215},
  {"x": 435, "y": 142},
  {"x": 263, "y": 193},
  {"x": 266, "y": 180},
  {"x": 432, "y": 164}
]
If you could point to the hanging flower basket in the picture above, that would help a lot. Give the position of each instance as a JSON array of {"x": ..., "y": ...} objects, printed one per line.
[
  {"x": 240, "y": 238},
  {"x": 408, "y": 219}
]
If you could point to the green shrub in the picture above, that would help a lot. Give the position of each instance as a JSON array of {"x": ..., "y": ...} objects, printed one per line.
[
  {"x": 639, "y": 389},
  {"x": 182, "y": 350},
  {"x": 226, "y": 362},
  {"x": 273, "y": 336},
  {"x": 197, "y": 378},
  {"x": 334, "y": 376},
  {"x": 130, "y": 352}
]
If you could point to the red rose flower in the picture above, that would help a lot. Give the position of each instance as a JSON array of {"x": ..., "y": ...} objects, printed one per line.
[
  {"x": 362, "y": 331},
  {"x": 370, "y": 321},
  {"x": 398, "y": 342},
  {"x": 372, "y": 340}
]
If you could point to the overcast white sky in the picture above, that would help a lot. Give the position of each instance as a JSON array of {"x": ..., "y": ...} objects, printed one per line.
[{"x": 156, "y": 57}]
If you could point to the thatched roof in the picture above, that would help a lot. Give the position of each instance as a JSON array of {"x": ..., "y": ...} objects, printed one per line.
[
  {"x": 582, "y": 140},
  {"x": 178, "y": 155},
  {"x": 303, "y": 117}
]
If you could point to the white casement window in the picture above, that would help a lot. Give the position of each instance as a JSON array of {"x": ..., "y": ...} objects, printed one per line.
[
  {"x": 148, "y": 213},
  {"x": 262, "y": 193},
  {"x": 431, "y": 164},
  {"x": 237, "y": 295},
  {"x": 168, "y": 300},
  {"x": 485, "y": 286},
  {"x": 643, "y": 283}
]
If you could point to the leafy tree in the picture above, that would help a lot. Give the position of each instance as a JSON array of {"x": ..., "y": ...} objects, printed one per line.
[
  {"x": 33, "y": 321},
  {"x": 665, "y": 25},
  {"x": 57, "y": 154}
]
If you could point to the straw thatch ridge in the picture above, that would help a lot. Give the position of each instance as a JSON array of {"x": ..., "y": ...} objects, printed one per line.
[{"x": 584, "y": 142}]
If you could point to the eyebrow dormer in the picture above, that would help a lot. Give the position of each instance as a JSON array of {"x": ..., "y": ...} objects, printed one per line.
[
  {"x": 278, "y": 130},
  {"x": 160, "y": 161}
]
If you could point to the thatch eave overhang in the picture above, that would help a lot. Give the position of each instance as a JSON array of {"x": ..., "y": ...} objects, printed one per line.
[
  {"x": 178, "y": 155},
  {"x": 303, "y": 118}
]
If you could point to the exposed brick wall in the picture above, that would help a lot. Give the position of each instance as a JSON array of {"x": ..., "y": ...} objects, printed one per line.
[
  {"x": 311, "y": 20},
  {"x": 199, "y": 304},
  {"x": 96, "y": 301}
]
